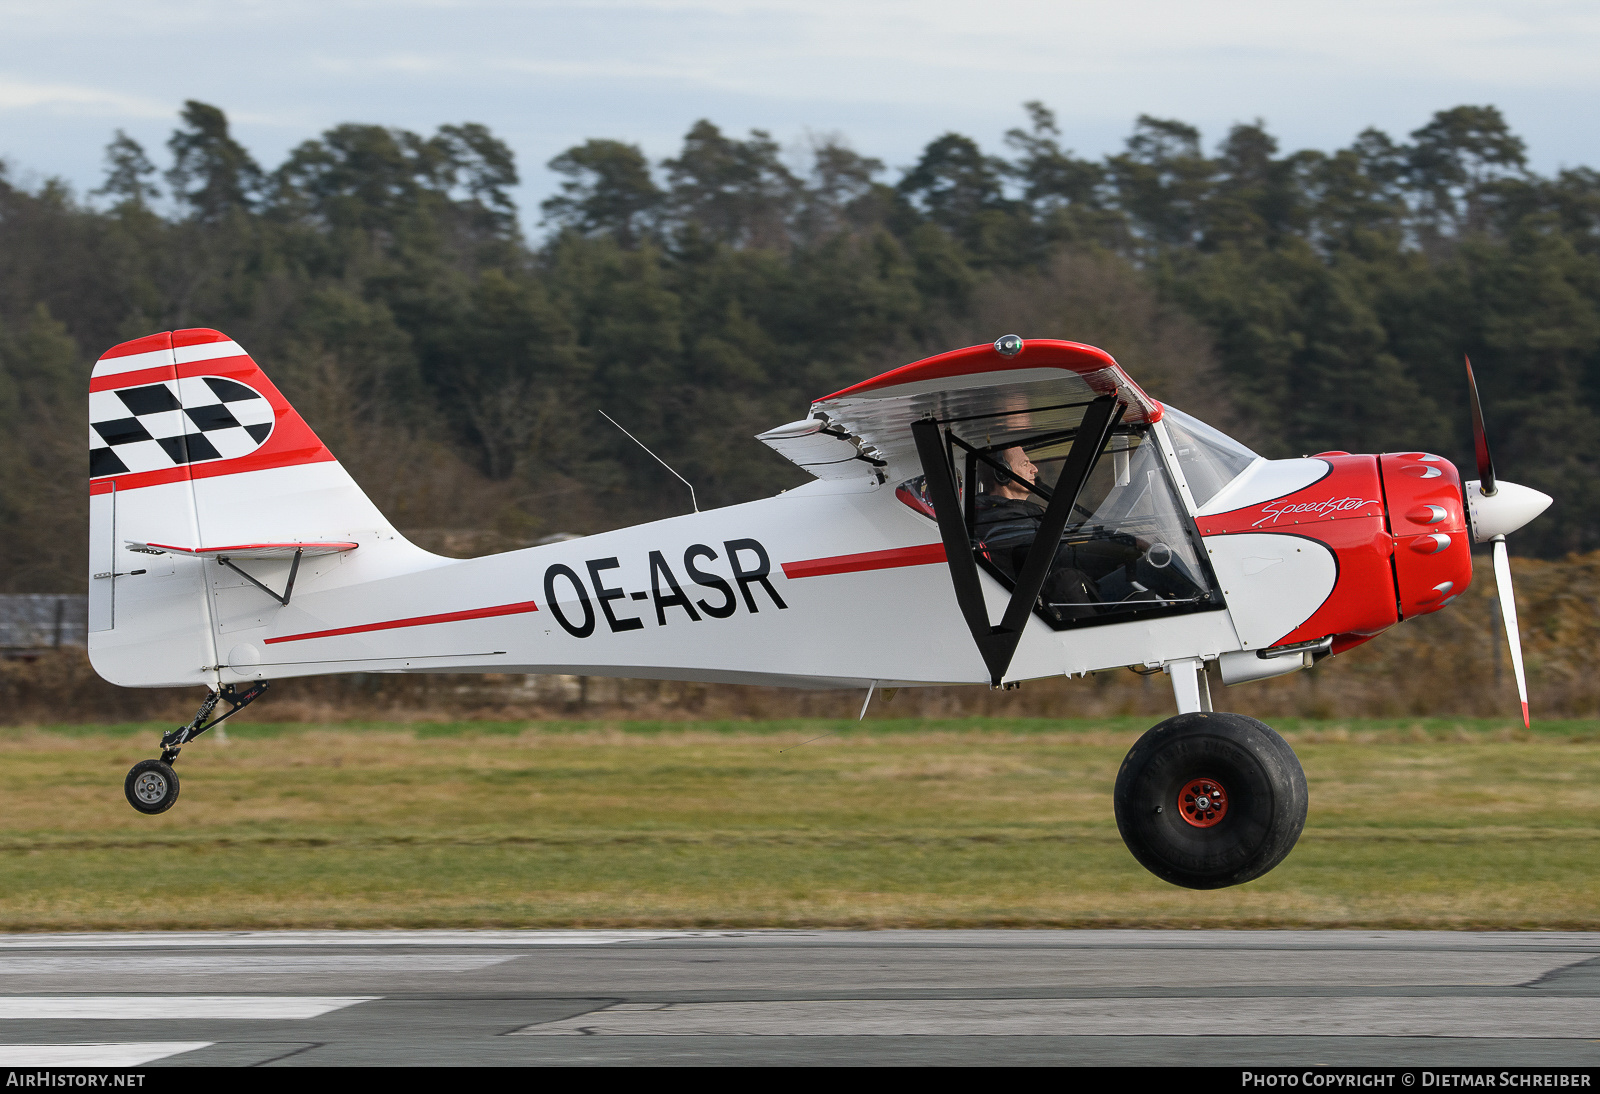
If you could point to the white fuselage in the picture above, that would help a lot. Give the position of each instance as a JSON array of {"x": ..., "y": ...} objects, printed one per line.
[{"x": 605, "y": 604}]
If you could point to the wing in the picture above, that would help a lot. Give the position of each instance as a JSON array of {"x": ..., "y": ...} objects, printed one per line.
[
  {"x": 979, "y": 394},
  {"x": 826, "y": 451}
]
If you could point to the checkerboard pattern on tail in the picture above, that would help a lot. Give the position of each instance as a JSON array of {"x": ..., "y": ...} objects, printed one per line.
[{"x": 195, "y": 419}]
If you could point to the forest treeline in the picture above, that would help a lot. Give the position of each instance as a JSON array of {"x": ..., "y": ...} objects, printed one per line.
[{"x": 1304, "y": 301}]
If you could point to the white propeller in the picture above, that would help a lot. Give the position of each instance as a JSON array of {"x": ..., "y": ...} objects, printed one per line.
[
  {"x": 1495, "y": 508},
  {"x": 1508, "y": 612}
]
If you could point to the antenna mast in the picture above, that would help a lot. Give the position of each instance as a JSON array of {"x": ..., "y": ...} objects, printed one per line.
[{"x": 655, "y": 457}]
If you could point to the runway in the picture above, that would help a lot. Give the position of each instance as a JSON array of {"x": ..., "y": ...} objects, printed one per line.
[{"x": 1238, "y": 998}]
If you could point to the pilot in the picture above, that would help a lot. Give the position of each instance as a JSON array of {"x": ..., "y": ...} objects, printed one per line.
[
  {"x": 1007, "y": 520},
  {"x": 1005, "y": 505}
]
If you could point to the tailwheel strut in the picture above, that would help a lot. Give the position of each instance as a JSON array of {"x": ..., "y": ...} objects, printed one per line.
[
  {"x": 237, "y": 700},
  {"x": 152, "y": 785}
]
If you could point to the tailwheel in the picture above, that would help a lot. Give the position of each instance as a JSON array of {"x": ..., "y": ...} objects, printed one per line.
[
  {"x": 1207, "y": 800},
  {"x": 151, "y": 786}
]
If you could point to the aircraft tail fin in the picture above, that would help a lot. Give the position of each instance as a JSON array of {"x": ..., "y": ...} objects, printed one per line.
[{"x": 194, "y": 453}]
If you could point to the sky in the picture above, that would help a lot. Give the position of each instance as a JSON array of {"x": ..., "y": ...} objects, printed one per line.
[{"x": 887, "y": 75}]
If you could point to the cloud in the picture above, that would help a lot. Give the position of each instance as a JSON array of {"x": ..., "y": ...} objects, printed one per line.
[
  {"x": 891, "y": 73},
  {"x": 943, "y": 52},
  {"x": 18, "y": 95}
]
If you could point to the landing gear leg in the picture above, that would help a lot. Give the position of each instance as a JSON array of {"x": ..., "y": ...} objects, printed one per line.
[
  {"x": 1190, "y": 685},
  {"x": 152, "y": 786}
]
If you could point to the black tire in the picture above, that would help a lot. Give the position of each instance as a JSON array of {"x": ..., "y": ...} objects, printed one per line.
[
  {"x": 1264, "y": 790},
  {"x": 151, "y": 786}
]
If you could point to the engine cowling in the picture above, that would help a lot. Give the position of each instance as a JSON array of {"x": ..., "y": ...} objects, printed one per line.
[
  {"x": 1396, "y": 525},
  {"x": 1427, "y": 516}
]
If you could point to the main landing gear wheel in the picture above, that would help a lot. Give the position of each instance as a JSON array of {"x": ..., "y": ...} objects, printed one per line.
[
  {"x": 151, "y": 787},
  {"x": 1208, "y": 800}
]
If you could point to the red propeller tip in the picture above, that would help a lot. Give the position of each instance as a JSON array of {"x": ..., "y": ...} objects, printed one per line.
[{"x": 1525, "y": 723}]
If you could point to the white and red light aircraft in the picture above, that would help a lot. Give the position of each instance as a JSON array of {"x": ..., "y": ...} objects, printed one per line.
[{"x": 994, "y": 514}]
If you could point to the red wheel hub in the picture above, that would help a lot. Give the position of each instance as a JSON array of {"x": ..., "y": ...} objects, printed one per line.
[{"x": 1203, "y": 802}]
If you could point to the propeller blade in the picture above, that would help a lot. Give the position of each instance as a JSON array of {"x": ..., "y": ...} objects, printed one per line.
[
  {"x": 1480, "y": 439},
  {"x": 1508, "y": 612}
]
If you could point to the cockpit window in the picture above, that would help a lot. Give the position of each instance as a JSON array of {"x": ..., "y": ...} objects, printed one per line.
[
  {"x": 1210, "y": 459},
  {"x": 1128, "y": 551}
]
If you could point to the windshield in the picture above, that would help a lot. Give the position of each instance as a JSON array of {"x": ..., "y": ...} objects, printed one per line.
[{"x": 1210, "y": 459}]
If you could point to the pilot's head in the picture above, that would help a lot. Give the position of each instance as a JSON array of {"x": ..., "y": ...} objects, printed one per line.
[{"x": 1011, "y": 483}]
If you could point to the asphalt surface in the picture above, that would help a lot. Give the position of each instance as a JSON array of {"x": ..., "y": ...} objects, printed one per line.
[{"x": 1238, "y": 998}]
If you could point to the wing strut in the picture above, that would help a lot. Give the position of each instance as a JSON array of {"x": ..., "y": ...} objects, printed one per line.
[{"x": 999, "y": 644}]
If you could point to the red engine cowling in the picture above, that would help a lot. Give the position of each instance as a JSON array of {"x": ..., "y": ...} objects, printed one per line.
[
  {"x": 1396, "y": 524},
  {"x": 1344, "y": 510},
  {"x": 1432, "y": 546}
]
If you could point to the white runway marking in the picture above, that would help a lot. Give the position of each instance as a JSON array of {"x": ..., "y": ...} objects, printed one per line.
[
  {"x": 109, "y": 940},
  {"x": 147, "y": 1007},
  {"x": 94, "y": 1055},
  {"x": 1210, "y": 1017},
  {"x": 222, "y": 964}
]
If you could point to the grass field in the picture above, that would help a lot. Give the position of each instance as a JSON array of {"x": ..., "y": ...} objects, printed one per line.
[{"x": 1448, "y": 823}]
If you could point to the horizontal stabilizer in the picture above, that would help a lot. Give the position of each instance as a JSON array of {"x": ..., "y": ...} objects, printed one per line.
[{"x": 247, "y": 550}]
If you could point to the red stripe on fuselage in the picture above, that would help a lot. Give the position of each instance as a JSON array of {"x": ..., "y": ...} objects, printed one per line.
[
  {"x": 414, "y": 621},
  {"x": 925, "y": 555}
]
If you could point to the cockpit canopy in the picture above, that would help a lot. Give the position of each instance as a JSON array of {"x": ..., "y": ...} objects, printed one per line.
[{"x": 1129, "y": 550}]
